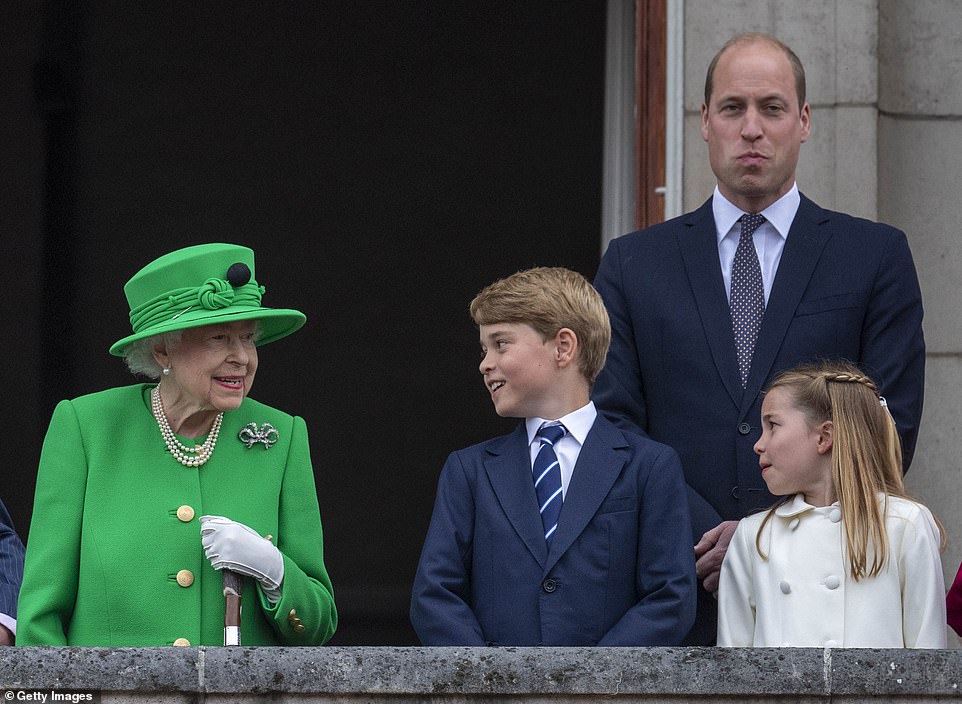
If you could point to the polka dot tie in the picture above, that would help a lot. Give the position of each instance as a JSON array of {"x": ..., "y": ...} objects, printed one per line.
[{"x": 747, "y": 295}]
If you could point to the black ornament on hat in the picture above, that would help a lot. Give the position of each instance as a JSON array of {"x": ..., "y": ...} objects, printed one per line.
[{"x": 238, "y": 274}]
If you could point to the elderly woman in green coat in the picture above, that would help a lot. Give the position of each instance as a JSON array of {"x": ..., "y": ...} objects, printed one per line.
[{"x": 146, "y": 491}]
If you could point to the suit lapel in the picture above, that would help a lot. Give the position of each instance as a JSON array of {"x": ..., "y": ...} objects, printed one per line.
[
  {"x": 803, "y": 247},
  {"x": 599, "y": 464},
  {"x": 699, "y": 249},
  {"x": 508, "y": 467}
]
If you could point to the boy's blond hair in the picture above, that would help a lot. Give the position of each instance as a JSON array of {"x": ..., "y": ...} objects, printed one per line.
[
  {"x": 548, "y": 299},
  {"x": 866, "y": 454}
]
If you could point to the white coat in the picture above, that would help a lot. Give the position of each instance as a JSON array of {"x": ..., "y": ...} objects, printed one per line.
[{"x": 804, "y": 594}]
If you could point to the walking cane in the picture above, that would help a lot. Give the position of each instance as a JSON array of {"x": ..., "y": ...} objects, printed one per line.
[{"x": 233, "y": 586}]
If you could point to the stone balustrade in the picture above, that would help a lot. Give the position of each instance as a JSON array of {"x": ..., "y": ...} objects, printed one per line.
[{"x": 440, "y": 675}]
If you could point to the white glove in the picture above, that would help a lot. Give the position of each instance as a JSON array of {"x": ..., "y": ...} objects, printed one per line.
[{"x": 230, "y": 545}]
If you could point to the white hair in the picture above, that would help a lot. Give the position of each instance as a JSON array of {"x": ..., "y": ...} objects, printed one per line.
[{"x": 139, "y": 355}]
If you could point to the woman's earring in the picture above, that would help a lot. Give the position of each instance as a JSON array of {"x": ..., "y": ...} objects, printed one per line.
[{"x": 166, "y": 371}]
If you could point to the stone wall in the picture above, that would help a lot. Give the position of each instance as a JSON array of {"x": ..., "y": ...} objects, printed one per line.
[
  {"x": 920, "y": 149},
  {"x": 710, "y": 675}
]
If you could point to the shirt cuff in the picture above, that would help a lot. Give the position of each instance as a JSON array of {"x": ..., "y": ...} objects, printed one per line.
[{"x": 10, "y": 623}]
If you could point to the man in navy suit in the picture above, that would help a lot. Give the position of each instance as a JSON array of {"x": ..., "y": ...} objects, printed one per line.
[
  {"x": 568, "y": 531},
  {"x": 11, "y": 572},
  {"x": 835, "y": 286}
]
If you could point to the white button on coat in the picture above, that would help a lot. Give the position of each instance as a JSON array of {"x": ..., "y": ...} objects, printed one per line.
[
  {"x": 832, "y": 581},
  {"x": 785, "y": 587}
]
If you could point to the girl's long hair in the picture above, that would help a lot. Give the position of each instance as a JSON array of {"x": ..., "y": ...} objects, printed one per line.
[{"x": 866, "y": 454}]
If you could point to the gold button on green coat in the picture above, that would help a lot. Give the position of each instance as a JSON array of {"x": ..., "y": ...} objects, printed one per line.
[
  {"x": 104, "y": 540},
  {"x": 185, "y": 514}
]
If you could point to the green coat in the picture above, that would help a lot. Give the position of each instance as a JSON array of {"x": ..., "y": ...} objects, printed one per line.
[{"x": 106, "y": 542}]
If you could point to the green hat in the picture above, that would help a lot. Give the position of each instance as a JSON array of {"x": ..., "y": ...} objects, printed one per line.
[{"x": 202, "y": 285}]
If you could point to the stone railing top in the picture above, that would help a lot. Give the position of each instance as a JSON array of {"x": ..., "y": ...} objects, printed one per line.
[{"x": 439, "y": 672}]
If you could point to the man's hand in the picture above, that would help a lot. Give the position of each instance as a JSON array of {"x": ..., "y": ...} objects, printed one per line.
[
  {"x": 710, "y": 551},
  {"x": 6, "y": 637}
]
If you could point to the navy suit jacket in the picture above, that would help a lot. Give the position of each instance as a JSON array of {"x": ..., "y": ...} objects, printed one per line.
[
  {"x": 619, "y": 570},
  {"x": 845, "y": 288},
  {"x": 11, "y": 564}
]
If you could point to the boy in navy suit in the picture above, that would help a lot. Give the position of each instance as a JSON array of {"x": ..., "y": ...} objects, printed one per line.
[{"x": 568, "y": 531}]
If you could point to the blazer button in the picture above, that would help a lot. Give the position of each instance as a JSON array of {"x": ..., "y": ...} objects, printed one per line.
[
  {"x": 832, "y": 581},
  {"x": 295, "y": 621},
  {"x": 785, "y": 587},
  {"x": 744, "y": 428},
  {"x": 549, "y": 585},
  {"x": 185, "y": 578},
  {"x": 185, "y": 514},
  {"x": 182, "y": 642}
]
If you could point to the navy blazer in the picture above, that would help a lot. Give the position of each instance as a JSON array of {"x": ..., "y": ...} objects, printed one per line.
[
  {"x": 11, "y": 564},
  {"x": 619, "y": 571},
  {"x": 845, "y": 288}
]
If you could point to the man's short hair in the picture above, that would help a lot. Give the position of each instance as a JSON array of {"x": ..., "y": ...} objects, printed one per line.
[
  {"x": 749, "y": 38},
  {"x": 548, "y": 299}
]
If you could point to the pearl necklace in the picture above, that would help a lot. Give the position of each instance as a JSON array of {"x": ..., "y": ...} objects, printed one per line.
[{"x": 188, "y": 456}]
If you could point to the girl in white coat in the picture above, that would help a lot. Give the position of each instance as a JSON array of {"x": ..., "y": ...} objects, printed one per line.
[{"x": 845, "y": 559}]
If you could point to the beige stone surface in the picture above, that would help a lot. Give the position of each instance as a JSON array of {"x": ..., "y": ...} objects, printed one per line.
[
  {"x": 457, "y": 675},
  {"x": 837, "y": 166},
  {"x": 699, "y": 181},
  {"x": 919, "y": 153},
  {"x": 919, "y": 192},
  {"x": 809, "y": 28},
  {"x": 935, "y": 477},
  {"x": 816, "y": 163},
  {"x": 708, "y": 25},
  {"x": 855, "y": 160},
  {"x": 836, "y": 42},
  {"x": 856, "y": 35},
  {"x": 919, "y": 57}
]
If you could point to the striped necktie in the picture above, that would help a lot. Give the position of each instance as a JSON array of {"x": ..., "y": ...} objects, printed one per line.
[
  {"x": 547, "y": 478},
  {"x": 747, "y": 295}
]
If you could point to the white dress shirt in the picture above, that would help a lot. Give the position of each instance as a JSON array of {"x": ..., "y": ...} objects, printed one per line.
[
  {"x": 769, "y": 238},
  {"x": 568, "y": 447},
  {"x": 803, "y": 594}
]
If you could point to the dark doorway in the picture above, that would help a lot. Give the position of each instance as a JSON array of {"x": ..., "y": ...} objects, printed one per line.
[{"x": 384, "y": 160}]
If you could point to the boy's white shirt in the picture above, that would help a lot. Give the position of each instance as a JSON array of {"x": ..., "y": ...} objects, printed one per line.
[
  {"x": 568, "y": 448},
  {"x": 804, "y": 596}
]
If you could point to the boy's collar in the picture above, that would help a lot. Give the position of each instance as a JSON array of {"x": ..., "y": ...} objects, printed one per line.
[{"x": 578, "y": 422}]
